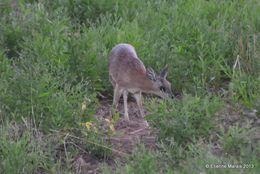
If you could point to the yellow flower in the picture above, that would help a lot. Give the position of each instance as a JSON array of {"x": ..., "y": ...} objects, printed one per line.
[{"x": 88, "y": 125}]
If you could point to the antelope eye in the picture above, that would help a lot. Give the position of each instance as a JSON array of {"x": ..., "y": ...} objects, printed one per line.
[{"x": 162, "y": 88}]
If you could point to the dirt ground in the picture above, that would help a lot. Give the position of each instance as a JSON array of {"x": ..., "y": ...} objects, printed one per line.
[{"x": 128, "y": 134}]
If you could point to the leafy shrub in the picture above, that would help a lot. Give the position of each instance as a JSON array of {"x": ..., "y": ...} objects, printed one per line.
[
  {"x": 183, "y": 122},
  {"x": 39, "y": 84},
  {"x": 234, "y": 141},
  {"x": 18, "y": 154},
  {"x": 50, "y": 100},
  {"x": 246, "y": 89}
]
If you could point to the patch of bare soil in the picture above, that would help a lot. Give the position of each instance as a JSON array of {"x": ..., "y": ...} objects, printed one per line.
[{"x": 128, "y": 134}]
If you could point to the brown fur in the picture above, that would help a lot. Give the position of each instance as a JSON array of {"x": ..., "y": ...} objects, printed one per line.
[{"x": 128, "y": 74}]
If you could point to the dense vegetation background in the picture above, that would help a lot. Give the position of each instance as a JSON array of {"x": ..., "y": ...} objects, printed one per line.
[{"x": 53, "y": 60}]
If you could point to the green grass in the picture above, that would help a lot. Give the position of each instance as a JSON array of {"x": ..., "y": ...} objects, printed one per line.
[
  {"x": 19, "y": 151},
  {"x": 53, "y": 59},
  {"x": 182, "y": 123}
]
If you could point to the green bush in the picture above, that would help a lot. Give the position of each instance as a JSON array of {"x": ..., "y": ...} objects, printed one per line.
[
  {"x": 196, "y": 45},
  {"x": 45, "y": 96},
  {"x": 39, "y": 84},
  {"x": 192, "y": 117},
  {"x": 234, "y": 141},
  {"x": 246, "y": 89},
  {"x": 183, "y": 122},
  {"x": 18, "y": 154}
]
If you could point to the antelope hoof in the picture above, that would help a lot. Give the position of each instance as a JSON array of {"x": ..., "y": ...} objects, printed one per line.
[
  {"x": 126, "y": 117},
  {"x": 146, "y": 123}
]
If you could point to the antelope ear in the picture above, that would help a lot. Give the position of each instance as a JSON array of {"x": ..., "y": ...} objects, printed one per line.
[
  {"x": 164, "y": 72},
  {"x": 151, "y": 74}
]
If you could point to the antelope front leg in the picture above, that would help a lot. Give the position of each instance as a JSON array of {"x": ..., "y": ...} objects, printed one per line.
[
  {"x": 117, "y": 95},
  {"x": 125, "y": 93},
  {"x": 138, "y": 98}
]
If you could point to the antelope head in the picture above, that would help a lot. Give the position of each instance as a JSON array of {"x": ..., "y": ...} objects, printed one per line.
[{"x": 161, "y": 86}]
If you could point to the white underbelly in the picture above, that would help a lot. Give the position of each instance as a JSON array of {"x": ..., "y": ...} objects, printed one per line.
[{"x": 133, "y": 90}]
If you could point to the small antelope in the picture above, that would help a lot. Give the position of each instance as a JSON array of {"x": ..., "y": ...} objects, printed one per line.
[{"x": 128, "y": 74}]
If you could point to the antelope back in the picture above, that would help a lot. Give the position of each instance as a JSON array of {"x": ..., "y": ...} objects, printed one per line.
[
  {"x": 125, "y": 67},
  {"x": 129, "y": 72}
]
